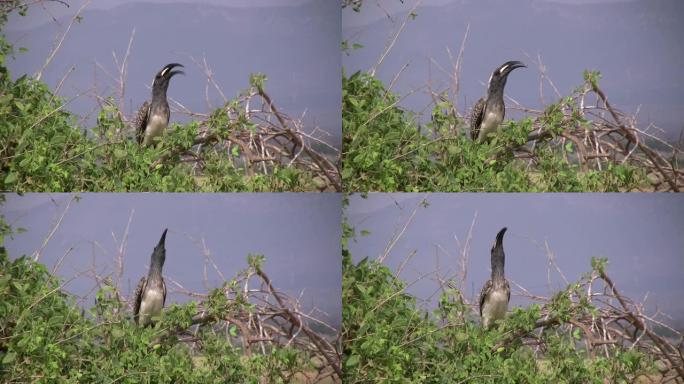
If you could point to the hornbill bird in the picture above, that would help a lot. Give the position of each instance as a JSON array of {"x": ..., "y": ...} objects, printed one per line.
[
  {"x": 496, "y": 292},
  {"x": 489, "y": 111},
  {"x": 153, "y": 116},
  {"x": 150, "y": 294}
]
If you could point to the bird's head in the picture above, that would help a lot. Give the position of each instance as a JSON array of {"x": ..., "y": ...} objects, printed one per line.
[
  {"x": 159, "y": 254},
  {"x": 161, "y": 79},
  {"x": 498, "y": 251},
  {"x": 499, "y": 238},
  {"x": 499, "y": 76}
]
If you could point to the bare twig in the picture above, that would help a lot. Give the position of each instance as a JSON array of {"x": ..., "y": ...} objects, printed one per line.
[
  {"x": 394, "y": 38},
  {"x": 38, "y": 253},
  {"x": 54, "y": 51},
  {"x": 397, "y": 236}
]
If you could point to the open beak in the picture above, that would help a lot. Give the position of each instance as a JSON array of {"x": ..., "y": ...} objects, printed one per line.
[
  {"x": 172, "y": 73},
  {"x": 168, "y": 71},
  {"x": 515, "y": 64}
]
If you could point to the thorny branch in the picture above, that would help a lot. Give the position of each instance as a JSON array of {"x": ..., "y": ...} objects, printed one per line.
[
  {"x": 601, "y": 136},
  {"x": 608, "y": 137},
  {"x": 264, "y": 317},
  {"x": 256, "y": 140},
  {"x": 274, "y": 320},
  {"x": 262, "y": 143},
  {"x": 607, "y": 329},
  {"x": 610, "y": 328},
  {"x": 323, "y": 346}
]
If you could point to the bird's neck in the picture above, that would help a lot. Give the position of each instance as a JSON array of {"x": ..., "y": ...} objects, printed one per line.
[
  {"x": 159, "y": 93},
  {"x": 498, "y": 266},
  {"x": 496, "y": 88},
  {"x": 156, "y": 265},
  {"x": 498, "y": 273}
]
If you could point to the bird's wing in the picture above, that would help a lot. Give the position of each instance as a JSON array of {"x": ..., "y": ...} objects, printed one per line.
[
  {"x": 476, "y": 118},
  {"x": 138, "y": 297},
  {"x": 168, "y": 115},
  {"x": 141, "y": 121},
  {"x": 483, "y": 294},
  {"x": 164, "y": 291},
  {"x": 508, "y": 291}
]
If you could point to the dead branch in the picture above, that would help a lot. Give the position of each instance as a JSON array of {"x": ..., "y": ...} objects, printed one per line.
[
  {"x": 274, "y": 320},
  {"x": 603, "y": 141},
  {"x": 265, "y": 139},
  {"x": 38, "y": 253},
  {"x": 54, "y": 51},
  {"x": 614, "y": 327},
  {"x": 607, "y": 321},
  {"x": 325, "y": 348},
  {"x": 600, "y": 137}
]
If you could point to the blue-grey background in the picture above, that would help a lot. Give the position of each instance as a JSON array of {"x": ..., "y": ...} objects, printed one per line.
[
  {"x": 299, "y": 234},
  {"x": 639, "y": 233},
  {"x": 636, "y": 44},
  {"x": 296, "y": 43}
]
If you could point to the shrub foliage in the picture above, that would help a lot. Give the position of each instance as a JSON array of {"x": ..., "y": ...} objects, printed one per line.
[
  {"x": 246, "y": 145},
  {"x": 564, "y": 148},
  {"x": 230, "y": 336},
  {"x": 574, "y": 337}
]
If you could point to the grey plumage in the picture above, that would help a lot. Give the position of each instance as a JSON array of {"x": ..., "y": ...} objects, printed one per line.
[
  {"x": 141, "y": 121},
  {"x": 476, "y": 118},
  {"x": 496, "y": 293},
  {"x": 489, "y": 111},
  {"x": 150, "y": 294},
  {"x": 153, "y": 116}
]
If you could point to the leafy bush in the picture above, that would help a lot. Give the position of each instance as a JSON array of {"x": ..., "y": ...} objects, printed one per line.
[
  {"x": 235, "y": 149},
  {"x": 384, "y": 149},
  {"x": 387, "y": 338},
  {"x": 46, "y": 337}
]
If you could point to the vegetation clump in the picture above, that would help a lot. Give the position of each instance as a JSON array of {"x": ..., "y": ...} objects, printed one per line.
[
  {"x": 235, "y": 333},
  {"x": 586, "y": 333},
  {"x": 566, "y": 147},
  {"x": 245, "y": 145},
  {"x": 580, "y": 143}
]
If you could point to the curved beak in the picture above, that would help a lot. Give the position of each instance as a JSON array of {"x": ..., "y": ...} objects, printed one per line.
[
  {"x": 500, "y": 236},
  {"x": 515, "y": 64},
  {"x": 162, "y": 240},
  {"x": 508, "y": 66},
  {"x": 168, "y": 71}
]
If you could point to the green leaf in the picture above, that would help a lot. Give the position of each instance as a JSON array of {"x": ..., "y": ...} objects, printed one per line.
[
  {"x": 576, "y": 334},
  {"x": 352, "y": 361},
  {"x": 11, "y": 178},
  {"x": 120, "y": 153},
  {"x": 9, "y": 357}
]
